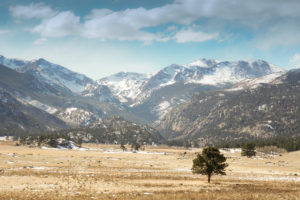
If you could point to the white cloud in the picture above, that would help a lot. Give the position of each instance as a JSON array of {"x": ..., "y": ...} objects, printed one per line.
[
  {"x": 107, "y": 25},
  {"x": 38, "y": 10},
  {"x": 295, "y": 60},
  {"x": 4, "y": 32},
  {"x": 266, "y": 19},
  {"x": 98, "y": 13},
  {"x": 190, "y": 35},
  {"x": 40, "y": 41},
  {"x": 63, "y": 24}
]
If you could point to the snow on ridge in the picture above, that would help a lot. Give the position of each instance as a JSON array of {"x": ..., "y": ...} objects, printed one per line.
[
  {"x": 216, "y": 72},
  {"x": 162, "y": 108},
  {"x": 12, "y": 63},
  {"x": 49, "y": 72},
  {"x": 37, "y": 104},
  {"x": 254, "y": 83},
  {"x": 125, "y": 85},
  {"x": 204, "y": 63},
  {"x": 124, "y": 75},
  {"x": 77, "y": 116},
  {"x": 219, "y": 76},
  {"x": 61, "y": 75}
]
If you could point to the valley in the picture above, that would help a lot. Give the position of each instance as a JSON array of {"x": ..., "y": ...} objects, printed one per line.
[
  {"x": 106, "y": 172},
  {"x": 165, "y": 100}
]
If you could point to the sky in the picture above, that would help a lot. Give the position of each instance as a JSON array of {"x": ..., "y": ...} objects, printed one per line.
[{"x": 101, "y": 37}]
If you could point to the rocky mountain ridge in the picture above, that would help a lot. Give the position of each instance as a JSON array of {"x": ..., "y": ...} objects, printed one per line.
[
  {"x": 265, "y": 111},
  {"x": 53, "y": 74},
  {"x": 60, "y": 102}
]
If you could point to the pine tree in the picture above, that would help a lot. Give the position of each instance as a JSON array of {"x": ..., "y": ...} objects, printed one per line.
[
  {"x": 248, "y": 149},
  {"x": 209, "y": 162}
]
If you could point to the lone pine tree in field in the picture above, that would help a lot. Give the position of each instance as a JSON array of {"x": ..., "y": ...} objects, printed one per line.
[
  {"x": 248, "y": 149},
  {"x": 209, "y": 162}
]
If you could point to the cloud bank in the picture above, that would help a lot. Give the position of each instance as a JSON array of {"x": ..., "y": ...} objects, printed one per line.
[{"x": 268, "y": 20}]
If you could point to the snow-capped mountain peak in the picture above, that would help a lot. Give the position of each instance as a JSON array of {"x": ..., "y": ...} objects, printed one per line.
[
  {"x": 205, "y": 63},
  {"x": 51, "y": 73},
  {"x": 125, "y": 86},
  {"x": 211, "y": 72}
]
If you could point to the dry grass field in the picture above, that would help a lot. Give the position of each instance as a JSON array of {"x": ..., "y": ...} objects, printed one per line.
[{"x": 105, "y": 172}]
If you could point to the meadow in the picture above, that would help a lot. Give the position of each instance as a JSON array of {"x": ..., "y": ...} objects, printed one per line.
[{"x": 161, "y": 172}]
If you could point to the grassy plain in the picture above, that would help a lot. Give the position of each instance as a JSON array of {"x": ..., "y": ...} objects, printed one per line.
[{"x": 158, "y": 173}]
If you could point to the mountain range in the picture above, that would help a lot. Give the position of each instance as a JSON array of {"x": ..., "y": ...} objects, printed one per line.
[
  {"x": 152, "y": 96},
  {"x": 162, "y": 99},
  {"x": 265, "y": 110}
]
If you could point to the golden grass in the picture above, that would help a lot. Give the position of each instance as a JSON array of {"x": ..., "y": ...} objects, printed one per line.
[{"x": 162, "y": 173}]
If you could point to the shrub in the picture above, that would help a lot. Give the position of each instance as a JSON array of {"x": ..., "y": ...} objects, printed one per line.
[{"x": 248, "y": 149}]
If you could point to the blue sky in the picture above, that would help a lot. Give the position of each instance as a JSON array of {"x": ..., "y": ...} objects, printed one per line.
[{"x": 101, "y": 37}]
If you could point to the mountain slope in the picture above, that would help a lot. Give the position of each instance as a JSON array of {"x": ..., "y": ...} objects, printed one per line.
[
  {"x": 113, "y": 130},
  {"x": 57, "y": 101},
  {"x": 26, "y": 83},
  {"x": 19, "y": 117},
  {"x": 262, "y": 112},
  {"x": 53, "y": 74},
  {"x": 120, "y": 131},
  {"x": 123, "y": 86}
]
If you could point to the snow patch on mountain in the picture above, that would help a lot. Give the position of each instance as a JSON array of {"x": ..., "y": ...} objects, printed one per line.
[
  {"x": 72, "y": 84},
  {"x": 125, "y": 86},
  {"x": 37, "y": 104},
  {"x": 12, "y": 63},
  {"x": 102, "y": 93},
  {"x": 162, "y": 109},
  {"x": 254, "y": 83},
  {"x": 56, "y": 74},
  {"x": 219, "y": 76},
  {"x": 170, "y": 75},
  {"x": 205, "y": 63},
  {"x": 42, "y": 106},
  {"x": 77, "y": 116}
]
